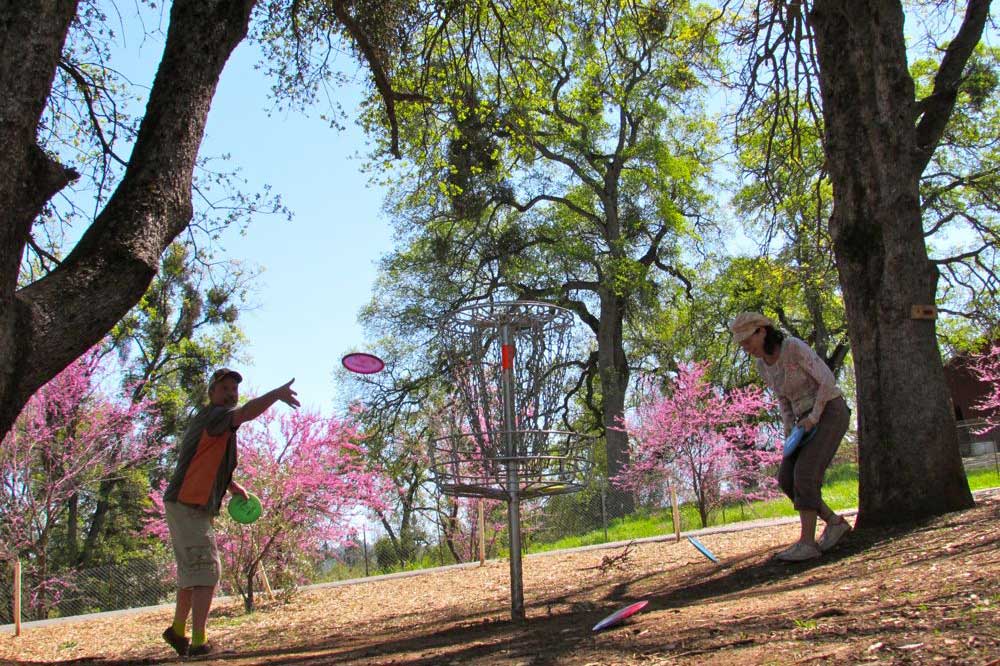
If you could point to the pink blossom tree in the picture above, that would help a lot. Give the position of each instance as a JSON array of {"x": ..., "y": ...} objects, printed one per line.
[
  {"x": 71, "y": 436},
  {"x": 309, "y": 472},
  {"x": 986, "y": 367},
  {"x": 716, "y": 444}
]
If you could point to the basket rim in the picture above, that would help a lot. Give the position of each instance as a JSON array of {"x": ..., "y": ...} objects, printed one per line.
[{"x": 487, "y": 314}]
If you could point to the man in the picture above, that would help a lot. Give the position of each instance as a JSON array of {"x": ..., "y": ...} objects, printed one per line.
[{"x": 204, "y": 472}]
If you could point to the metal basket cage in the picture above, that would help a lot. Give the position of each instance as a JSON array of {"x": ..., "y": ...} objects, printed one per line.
[
  {"x": 509, "y": 365},
  {"x": 536, "y": 339},
  {"x": 461, "y": 467}
]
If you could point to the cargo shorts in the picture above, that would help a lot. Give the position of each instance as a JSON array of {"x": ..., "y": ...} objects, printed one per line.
[{"x": 193, "y": 539}]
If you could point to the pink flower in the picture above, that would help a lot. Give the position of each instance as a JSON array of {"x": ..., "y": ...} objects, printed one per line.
[{"x": 718, "y": 446}]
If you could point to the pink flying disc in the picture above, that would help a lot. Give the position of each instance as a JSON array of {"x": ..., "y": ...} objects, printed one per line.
[
  {"x": 620, "y": 615},
  {"x": 363, "y": 363}
]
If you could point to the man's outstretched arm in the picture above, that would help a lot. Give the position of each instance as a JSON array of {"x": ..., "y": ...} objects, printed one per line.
[{"x": 254, "y": 408}]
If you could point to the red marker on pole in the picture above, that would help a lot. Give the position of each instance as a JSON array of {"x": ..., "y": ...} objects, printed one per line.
[{"x": 507, "y": 357}]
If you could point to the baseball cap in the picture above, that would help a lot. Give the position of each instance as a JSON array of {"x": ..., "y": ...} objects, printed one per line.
[{"x": 221, "y": 374}]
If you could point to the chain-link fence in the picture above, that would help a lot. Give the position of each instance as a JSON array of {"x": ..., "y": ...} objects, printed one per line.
[
  {"x": 979, "y": 445},
  {"x": 129, "y": 585}
]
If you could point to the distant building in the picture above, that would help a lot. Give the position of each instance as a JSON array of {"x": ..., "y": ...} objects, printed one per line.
[{"x": 966, "y": 391}]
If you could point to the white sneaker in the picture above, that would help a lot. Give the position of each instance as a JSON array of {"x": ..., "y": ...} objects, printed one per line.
[
  {"x": 798, "y": 552},
  {"x": 832, "y": 534}
]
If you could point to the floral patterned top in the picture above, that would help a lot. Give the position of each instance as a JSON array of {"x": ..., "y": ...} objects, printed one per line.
[{"x": 800, "y": 380}]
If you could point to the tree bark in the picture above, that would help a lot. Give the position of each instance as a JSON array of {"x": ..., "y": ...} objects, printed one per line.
[
  {"x": 102, "y": 507},
  {"x": 910, "y": 466},
  {"x": 47, "y": 324},
  {"x": 32, "y": 34},
  {"x": 72, "y": 528},
  {"x": 612, "y": 366},
  {"x": 248, "y": 598},
  {"x": 452, "y": 530}
]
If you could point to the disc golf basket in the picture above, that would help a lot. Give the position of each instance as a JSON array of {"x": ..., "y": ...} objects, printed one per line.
[{"x": 509, "y": 366}]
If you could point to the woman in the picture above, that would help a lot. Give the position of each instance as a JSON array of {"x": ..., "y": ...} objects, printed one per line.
[{"x": 807, "y": 396}]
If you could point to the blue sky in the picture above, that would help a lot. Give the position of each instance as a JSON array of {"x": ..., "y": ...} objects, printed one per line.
[{"x": 319, "y": 268}]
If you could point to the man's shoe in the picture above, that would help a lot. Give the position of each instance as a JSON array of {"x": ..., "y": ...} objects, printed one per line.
[
  {"x": 178, "y": 643},
  {"x": 799, "y": 552},
  {"x": 200, "y": 650},
  {"x": 832, "y": 534}
]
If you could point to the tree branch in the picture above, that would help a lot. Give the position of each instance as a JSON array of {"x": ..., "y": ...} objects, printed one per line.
[
  {"x": 71, "y": 308},
  {"x": 379, "y": 75},
  {"x": 936, "y": 109}
]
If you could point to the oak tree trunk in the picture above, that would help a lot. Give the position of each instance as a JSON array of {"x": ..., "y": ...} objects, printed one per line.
[
  {"x": 612, "y": 366},
  {"x": 910, "y": 466},
  {"x": 46, "y": 325}
]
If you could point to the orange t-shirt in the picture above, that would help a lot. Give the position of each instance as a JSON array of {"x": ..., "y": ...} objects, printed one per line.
[{"x": 206, "y": 460}]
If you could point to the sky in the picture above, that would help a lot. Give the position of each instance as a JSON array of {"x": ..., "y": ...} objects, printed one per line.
[{"x": 318, "y": 268}]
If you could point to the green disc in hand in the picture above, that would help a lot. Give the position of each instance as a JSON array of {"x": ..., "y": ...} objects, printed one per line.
[{"x": 246, "y": 510}]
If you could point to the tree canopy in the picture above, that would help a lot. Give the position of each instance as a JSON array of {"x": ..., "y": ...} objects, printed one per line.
[{"x": 557, "y": 153}]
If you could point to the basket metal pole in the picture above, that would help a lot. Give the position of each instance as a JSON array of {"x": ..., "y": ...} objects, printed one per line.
[{"x": 513, "y": 506}]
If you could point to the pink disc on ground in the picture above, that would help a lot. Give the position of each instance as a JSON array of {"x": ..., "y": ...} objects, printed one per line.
[
  {"x": 362, "y": 363},
  {"x": 620, "y": 615}
]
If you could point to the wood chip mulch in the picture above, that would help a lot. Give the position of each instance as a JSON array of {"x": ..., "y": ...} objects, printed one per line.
[{"x": 916, "y": 594}]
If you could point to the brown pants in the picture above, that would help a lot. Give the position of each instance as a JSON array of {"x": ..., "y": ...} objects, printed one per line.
[{"x": 801, "y": 474}]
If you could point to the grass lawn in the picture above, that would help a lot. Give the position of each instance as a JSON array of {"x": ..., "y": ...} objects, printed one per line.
[
  {"x": 983, "y": 478},
  {"x": 840, "y": 491}
]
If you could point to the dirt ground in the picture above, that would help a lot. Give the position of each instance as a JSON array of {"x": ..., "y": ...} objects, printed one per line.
[{"x": 916, "y": 594}]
